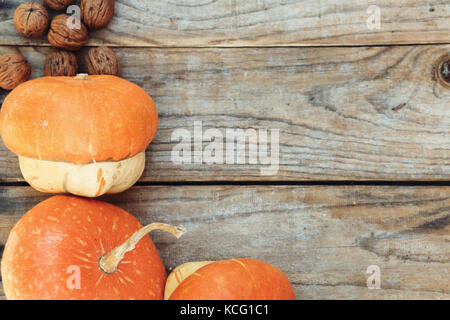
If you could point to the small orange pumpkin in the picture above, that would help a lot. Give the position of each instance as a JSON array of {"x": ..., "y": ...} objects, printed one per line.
[
  {"x": 236, "y": 279},
  {"x": 84, "y": 135},
  {"x": 68, "y": 247}
]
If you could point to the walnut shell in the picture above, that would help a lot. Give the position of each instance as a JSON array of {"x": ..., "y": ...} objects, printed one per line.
[
  {"x": 60, "y": 63},
  {"x": 31, "y": 19},
  {"x": 14, "y": 69},
  {"x": 102, "y": 60},
  {"x": 97, "y": 13},
  {"x": 65, "y": 36},
  {"x": 58, "y": 4}
]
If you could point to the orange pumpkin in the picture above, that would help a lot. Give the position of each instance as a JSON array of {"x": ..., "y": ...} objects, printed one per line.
[
  {"x": 81, "y": 135},
  {"x": 237, "y": 279},
  {"x": 75, "y": 248}
]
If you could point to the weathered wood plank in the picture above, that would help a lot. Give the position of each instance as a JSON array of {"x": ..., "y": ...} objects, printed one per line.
[
  {"x": 323, "y": 237},
  {"x": 260, "y": 23},
  {"x": 343, "y": 113}
]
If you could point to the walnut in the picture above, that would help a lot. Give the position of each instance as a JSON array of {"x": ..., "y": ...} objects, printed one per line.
[
  {"x": 14, "y": 70},
  {"x": 97, "y": 13},
  {"x": 67, "y": 33},
  {"x": 102, "y": 60},
  {"x": 60, "y": 63},
  {"x": 31, "y": 19},
  {"x": 58, "y": 4}
]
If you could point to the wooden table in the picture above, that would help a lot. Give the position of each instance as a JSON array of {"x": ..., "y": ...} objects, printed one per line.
[{"x": 363, "y": 128}]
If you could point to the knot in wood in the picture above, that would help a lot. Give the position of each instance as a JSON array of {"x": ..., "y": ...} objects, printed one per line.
[{"x": 443, "y": 71}]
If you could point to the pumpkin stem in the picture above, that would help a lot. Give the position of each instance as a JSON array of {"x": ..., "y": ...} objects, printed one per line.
[
  {"x": 81, "y": 76},
  {"x": 109, "y": 262}
]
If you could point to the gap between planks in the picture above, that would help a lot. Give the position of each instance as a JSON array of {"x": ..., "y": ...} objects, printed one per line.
[
  {"x": 374, "y": 45},
  {"x": 337, "y": 183}
]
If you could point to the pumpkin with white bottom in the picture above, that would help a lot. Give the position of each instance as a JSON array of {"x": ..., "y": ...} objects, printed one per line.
[{"x": 84, "y": 135}]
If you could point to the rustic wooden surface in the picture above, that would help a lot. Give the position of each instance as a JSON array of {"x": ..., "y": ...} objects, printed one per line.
[
  {"x": 323, "y": 237},
  {"x": 351, "y": 104},
  {"x": 260, "y": 23},
  {"x": 343, "y": 113}
]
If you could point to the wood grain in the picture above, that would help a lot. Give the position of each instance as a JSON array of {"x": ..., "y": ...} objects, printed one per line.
[
  {"x": 363, "y": 113},
  {"x": 323, "y": 237},
  {"x": 259, "y": 23}
]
